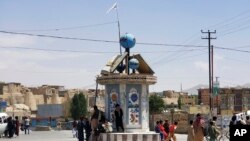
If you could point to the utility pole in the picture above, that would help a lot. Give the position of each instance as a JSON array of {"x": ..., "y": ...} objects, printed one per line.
[
  {"x": 96, "y": 89},
  {"x": 212, "y": 76},
  {"x": 217, "y": 97},
  {"x": 181, "y": 87},
  {"x": 209, "y": 38}
]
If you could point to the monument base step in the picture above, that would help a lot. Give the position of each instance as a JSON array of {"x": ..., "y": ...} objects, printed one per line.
[{"x": 139, "y": 136}]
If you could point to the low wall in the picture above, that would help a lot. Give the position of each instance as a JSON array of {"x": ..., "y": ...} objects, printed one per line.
[
  {"x": 183, "y": 119},
  {"x": 42, "y": 128}
]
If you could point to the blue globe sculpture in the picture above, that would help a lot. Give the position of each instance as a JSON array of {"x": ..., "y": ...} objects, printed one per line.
[
  {"x": 127, "y": 41},
  {"x": 121, "y": 68},
  {"x": 133, "y": 63}
]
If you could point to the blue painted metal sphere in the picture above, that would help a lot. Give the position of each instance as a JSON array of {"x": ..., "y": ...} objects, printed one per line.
[
  {"x": 127, "y": 40},
  {"x": 121, "y": 68},
  {"x": 133, "y": 63}
]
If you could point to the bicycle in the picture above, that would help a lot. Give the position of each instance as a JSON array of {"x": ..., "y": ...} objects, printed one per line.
[{"x": 224, "y": 136}]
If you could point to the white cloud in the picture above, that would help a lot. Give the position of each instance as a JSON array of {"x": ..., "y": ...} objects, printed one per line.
[
  {"x": 218, "y": 57},
  {"x": 16, "y": 40},
  {"x": 201, "y": 65},
  {"x": 35, "y": 55},
  {"x": 3, "y": 66}
]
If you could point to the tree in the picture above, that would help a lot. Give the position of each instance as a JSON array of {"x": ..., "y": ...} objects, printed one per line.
[
  {"x": 74, "y": 107},
  {"x": 156, "y": 104},
  {"x": 78, "y": 106},
  {"x": 179, "y": 102},
  {"x": 82, "y": 104}
]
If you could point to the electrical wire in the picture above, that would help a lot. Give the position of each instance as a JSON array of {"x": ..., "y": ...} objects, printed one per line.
[
  {"x": 64, "y": 28},
  {"x": 230, "y": 19},
  {"x": 57, "y": 37},
  {"x": 94, "y": 52},
  {"x": 234, "y": 31},
  {"x": 232, "y": 49},
  {"x": 95, "y": 40},
  {"x": 109, "y": 41},
  {"x": 179, "y": 58}
]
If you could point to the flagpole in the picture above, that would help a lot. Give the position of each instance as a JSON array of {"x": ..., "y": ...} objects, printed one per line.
[{"x": 119, "y": 29}]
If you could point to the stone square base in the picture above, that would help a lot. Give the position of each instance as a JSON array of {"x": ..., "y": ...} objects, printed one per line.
[{"x": 147, "y": 136}]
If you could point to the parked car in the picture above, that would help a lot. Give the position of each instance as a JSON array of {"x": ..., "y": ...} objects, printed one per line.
[{"x": 3, "y": 125}]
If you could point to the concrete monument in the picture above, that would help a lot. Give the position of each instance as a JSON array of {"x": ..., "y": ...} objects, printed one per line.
[{"x": 127, "y": 78}]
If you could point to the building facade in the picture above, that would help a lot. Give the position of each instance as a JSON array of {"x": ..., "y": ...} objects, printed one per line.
[
  {"x": 234, "y": 100},
  {"x": 204, "y": 98},
  {"x": 171, "y": 97}
]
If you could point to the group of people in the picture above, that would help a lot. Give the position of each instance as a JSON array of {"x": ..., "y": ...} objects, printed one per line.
[
  {"x": 166, "y": 130},
  {"x": 198, "y": 129},
  {"x": 97, "y": 124},
  {"x": 240, "y": 120},
  {"x": 14, "y": 126}
]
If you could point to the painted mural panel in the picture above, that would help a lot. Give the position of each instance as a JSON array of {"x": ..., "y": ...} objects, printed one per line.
[
  {"x": 134, "y": 104},
  {"x": 113, "y": 99}
]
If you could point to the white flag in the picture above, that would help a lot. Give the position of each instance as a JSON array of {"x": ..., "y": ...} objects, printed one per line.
[{"x": 114, "y": 6}]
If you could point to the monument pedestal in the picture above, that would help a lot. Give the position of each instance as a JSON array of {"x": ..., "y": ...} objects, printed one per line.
[
  {"x": 131, "y": 93},
  {"x": 150, "y": 136}
]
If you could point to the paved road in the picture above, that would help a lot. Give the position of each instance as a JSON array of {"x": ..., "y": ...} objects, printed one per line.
[
  {"x": 64, "y": 135},
  {"x": 57, "y": 136}
]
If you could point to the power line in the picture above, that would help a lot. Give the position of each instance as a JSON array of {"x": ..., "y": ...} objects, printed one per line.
[
  {"x": 232, "y": 49},
  {"x": 57, "y": 37},
  {"x": 66, "y": 28},
  {"x": 243, "y": 46},
  {"x": 229, "y": 19},
  {"x": 93, "y": 40},
  {"x": 234, "y": 31},
  {"x": 111, "y": 41},
  {"x": 177, "y": 45},
  {"x": 179, "y": 58},
  {"x": 94, "y": 52}
]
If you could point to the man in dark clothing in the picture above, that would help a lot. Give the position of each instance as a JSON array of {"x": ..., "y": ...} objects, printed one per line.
[
  {"x": 17, "y": 124},
  {"x": 166, "y": 126},
  {"x": 87, "y": 129},
  {"x": 95, "y": 118},
  {"x": 118, "y": 117},
  {"x": 10, "y": 127},
  {"x": 80, "y": 128}
]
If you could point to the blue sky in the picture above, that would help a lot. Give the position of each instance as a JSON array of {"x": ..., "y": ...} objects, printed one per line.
[{"x": 162, "y": 21}]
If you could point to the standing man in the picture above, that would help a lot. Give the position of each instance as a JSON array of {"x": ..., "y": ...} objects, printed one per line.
[
  {"x": 247, "y": 120},
  {"x": 190, "y": 131},
  {"x": 166, "y": 126},
  {"x": 87, "y": 129},
  {"x": 80, "y": 128},
  {"x": 74, "y": 130},
  {"x": 199, "y": 126},
  {"x": 27, "y": 125},
  {"x": 172, "y": 129},
  {"x": 95, "y": 118},
  {"x": 213, "y": 132},
  {"x": 17, "y": 126},
  {"x": 118, "y": 117},
  {"x": 10, "y": 127}
]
